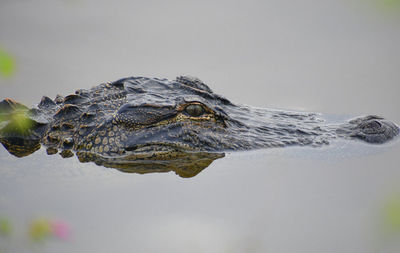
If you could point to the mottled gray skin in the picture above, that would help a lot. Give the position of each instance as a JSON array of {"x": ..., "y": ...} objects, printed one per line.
[{"x": 149, "y": 118}]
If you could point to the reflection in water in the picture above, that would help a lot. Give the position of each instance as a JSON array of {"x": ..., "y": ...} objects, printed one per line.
[{"x": 185, "y": 164}]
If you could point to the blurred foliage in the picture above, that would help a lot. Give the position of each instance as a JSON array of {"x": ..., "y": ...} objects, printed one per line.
[
  {"x": 390, "y": 3},
  {"x": 392, "y": 214},
  {"x": 7, "y": 64},
  {"x": 40, "y": 229},
  {"x": 5, "y": 227}
]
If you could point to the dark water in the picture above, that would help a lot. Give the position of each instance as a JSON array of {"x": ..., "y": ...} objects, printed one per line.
[{"x": 334, "y": 57}]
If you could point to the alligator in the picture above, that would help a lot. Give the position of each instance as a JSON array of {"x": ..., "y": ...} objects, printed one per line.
[{"x": 140, "y": 124}]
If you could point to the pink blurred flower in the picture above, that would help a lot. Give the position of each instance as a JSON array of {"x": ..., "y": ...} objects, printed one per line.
[{"x": 60, "y": 229}]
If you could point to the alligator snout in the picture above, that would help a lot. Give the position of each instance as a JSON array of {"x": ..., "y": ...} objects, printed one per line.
[{"x": 373, "y": 129}]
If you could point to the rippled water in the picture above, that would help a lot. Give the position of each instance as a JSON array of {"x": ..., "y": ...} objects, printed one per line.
[{"x": 333, "y": 57}]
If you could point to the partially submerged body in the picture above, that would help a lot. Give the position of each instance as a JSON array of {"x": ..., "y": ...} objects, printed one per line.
[{"x": 137, "y": 119}]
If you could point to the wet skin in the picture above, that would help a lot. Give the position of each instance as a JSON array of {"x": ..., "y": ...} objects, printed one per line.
[{"x": 140, "y": 124}]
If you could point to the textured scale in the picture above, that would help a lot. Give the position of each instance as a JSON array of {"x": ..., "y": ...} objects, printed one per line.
[{"x": 139, "y": 118}]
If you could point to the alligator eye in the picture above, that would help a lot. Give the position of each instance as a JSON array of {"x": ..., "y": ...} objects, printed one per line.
[{"x": 194, "y": 110}]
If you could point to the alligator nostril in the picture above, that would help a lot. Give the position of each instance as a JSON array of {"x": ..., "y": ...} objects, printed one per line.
[
  {"x": 378, "y": 123},
  {"x": 371, "y": 125}
]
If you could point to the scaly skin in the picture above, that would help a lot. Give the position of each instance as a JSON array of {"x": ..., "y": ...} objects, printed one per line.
[{"x": 140, "y": 118}]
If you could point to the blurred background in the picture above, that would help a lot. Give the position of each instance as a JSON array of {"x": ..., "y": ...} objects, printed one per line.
[
  {"x": 333, "y": 56},
  {"x": 337, "y": 57}
]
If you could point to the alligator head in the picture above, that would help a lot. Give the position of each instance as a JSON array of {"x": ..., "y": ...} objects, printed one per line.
[{"x": 140, "y": 122}]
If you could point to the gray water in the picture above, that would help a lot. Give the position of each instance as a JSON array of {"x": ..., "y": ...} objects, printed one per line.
[{"x": 340, "y": 58}]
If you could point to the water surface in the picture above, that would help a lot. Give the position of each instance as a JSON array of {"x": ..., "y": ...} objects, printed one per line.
[{"x": 335, "y": 57}]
